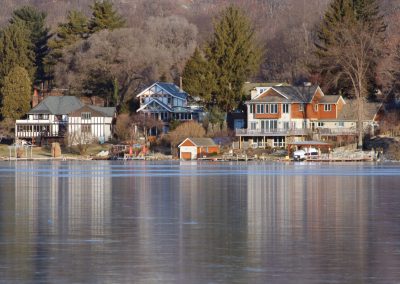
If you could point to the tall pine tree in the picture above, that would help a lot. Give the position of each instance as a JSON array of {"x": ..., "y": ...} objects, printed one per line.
[
  {"x": 67, "y": 34},
  {"x": 233, "y": 57},
  {"x": 35, "y": 22},
  {"x": 16, "y": 49},
  {"x": 198, "y": 78},
  {"x": 16, "y": 93},
  {"x": 104, "y": 16}
]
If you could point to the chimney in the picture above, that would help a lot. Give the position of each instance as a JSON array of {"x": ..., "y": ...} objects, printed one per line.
[
  {"x": 35, "y": 98},
  {"x": 180, "y": 84}
]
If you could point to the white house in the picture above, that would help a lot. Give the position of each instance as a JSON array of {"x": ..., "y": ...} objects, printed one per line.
[
  {"x": 167, "y": 102},
  {"x": 57, "y": 116}
]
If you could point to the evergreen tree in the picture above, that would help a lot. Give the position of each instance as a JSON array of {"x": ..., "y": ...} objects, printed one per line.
[
  {"x": 198, "y": 78},
  {"x": 67, "y": 34},
  {"x": 16, "y": 50},
  {"x": 104, "y": 17},
  {"x": 35, "y": 22},
  {"x": 16, "y": 93},
  {"x": 232, "y": 56}
]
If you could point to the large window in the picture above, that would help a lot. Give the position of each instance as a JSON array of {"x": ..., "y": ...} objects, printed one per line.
[
  {"x": 327, "y": 107},
  {"x": 279, "y": 142},
  {"x": 274, "y": 108},
  {"x": 86, "y": 115},
  {"x": 285, "y": 108}
]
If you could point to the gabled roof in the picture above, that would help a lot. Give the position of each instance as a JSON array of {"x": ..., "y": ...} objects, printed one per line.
[
  {"x": 330, "y": 99},
  {"x": 57, "y": 105},
  {"x": 289, "y": 94},
  {"x": 107, "y": 111},
  {"x": 154, "y": 100},
  {"x": 170, "y": 88},
  {"x": 95, "y": 111},
  {"x": 200, "y": 142},
  {"x": 349, "y": 111}
]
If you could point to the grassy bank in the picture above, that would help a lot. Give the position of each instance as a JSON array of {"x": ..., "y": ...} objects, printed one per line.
[{"x": 45, "y": 152}]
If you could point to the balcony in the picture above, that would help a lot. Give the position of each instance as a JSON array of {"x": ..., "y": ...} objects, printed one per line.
[
  {"x": 336, "y": 131},
  {"x": 273, "y": 132},
  {"x": 296, "y": 132}
]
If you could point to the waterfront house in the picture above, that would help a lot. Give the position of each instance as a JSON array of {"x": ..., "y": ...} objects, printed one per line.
[
  {"x": 168, "y": 102},
  {"x": 280, "y": 115},
  {"x": 194, "y": 148},
  {"x": 57, "y": 117}
]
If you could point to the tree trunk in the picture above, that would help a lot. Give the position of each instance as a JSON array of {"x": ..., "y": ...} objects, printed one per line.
[{"x": 360, "y": 129}]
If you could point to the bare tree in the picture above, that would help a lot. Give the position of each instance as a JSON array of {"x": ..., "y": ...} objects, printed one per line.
[{"x": 356, "y": 50}]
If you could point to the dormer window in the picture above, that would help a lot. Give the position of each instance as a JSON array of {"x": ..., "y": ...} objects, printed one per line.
[{"x": 86, "y": 115}]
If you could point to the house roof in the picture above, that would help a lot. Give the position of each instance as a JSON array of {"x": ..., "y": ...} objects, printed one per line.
[
  {"x": 297, "y": 94},
  {"x": 96, "y": 111},
  {"x": 289, "y": 94},
  {"x": 200, "y": 142},
  {"x": 57, "y": 105},
  {"x": 107, "y": 111},
  {"x": 349, "y": 111},
  {"x": 170, "y": 88},
  {"x": 329, "y": 99},
  {"x": 247, "y": 87}
]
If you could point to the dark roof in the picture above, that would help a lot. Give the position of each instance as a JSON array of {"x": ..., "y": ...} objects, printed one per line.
[
  {"x": 203, "y": 142},
  {"x": 247, "y": 87},
  {"x": 329, "y": 99},
  {"x": 297, "y": 94},
  {"x": 57, "y": 105},
  {"x": 349, "y": 111},
  {"x": 173, "y": 89},
  {"x": 107, "y": 111}
]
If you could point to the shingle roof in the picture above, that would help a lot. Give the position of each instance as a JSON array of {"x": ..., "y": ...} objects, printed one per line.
[
  {"x": 57, "y": 105},
  {"x": 349, "y": 111},
  {"x": 297, "y": 94},
  {"x": 247, "y": 87},
  {"x": 107, "y": 111},
  {"x": 329, "y": 99},
  {"x": 173, "y": 89},
  {"x": 203, "y": 142}
]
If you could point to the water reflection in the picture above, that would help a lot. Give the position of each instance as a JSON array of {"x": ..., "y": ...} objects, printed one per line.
[{"x": 167, "y": 222}]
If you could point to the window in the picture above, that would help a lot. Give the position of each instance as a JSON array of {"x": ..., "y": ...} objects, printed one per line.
[
  {"x": 304, "y": 125},
  {"x": 316, "y": 107},
  {"x": 258, "y": 108},
  {"x": 279, "y": 141},
  {"x": 285, "y": 108},
  {"x": 86, "y": 115},
  {"x": 341, "y": 123},
  {"x": 253, "y": 125},
  {"x": 320, "y": 124},
  {"x": 262, "y": 108},
  {"x": 301, "y": 107},
  {"x": 266, "y": 108},
  {"x": 274, "y": 108},
  {"x": 327, "y": 107},
  {"x": 86, "y": 128},
  {"x": 286, "y": 125},
  {"x": 251, "y": 108}
]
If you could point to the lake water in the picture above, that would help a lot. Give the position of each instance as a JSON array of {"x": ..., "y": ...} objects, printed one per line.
[{"x": 188, "y": 222}]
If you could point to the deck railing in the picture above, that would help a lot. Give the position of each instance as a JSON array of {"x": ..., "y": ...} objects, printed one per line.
[
  {"x": 272, "y": 132},
  {"x": 296, "y": 132}
]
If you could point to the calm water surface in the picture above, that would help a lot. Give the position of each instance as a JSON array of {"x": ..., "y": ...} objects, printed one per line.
[{"x": 138, "y": 222}]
